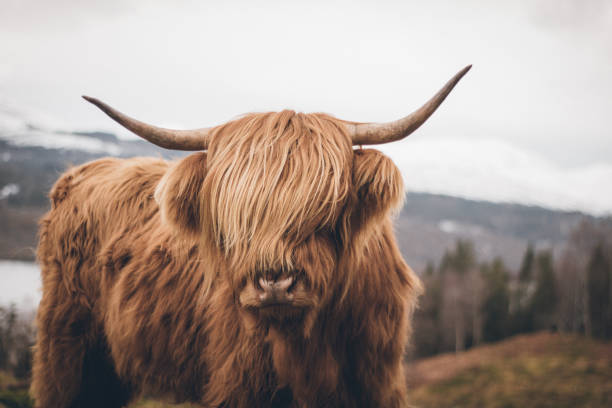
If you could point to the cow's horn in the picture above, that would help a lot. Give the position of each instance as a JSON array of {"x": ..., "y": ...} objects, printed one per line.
[
  {"x": 196, "y": 139},
  {"x": 379, "y": 133}
]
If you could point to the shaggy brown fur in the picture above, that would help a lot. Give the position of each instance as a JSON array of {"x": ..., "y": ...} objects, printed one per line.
[{"x": 149, "y": 270}]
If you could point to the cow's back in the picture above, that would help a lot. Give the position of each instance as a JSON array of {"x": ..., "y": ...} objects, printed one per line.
[{"x": 90, "y": 204}]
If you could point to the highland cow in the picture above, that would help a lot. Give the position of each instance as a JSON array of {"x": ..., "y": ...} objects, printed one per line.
[{"x": 260, "y": 271}]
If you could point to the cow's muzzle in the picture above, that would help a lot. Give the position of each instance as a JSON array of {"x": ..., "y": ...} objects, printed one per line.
[{"x": 275, "y": 292}]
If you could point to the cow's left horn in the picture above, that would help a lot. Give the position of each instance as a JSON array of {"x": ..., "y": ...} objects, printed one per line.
[
  {"x": 196, "y": 139},
  {"x": 379, "y": 133}
]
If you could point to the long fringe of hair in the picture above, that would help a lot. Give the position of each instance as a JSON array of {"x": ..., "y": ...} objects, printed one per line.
[{"x": 277, "y": 178}]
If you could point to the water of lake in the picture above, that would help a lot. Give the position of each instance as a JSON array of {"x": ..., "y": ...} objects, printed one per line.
[{"x": 20, "y": 284}]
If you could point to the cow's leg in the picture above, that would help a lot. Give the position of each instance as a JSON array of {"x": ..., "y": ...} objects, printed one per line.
[
  {"x": 100, "y": 385},
  {"x": 60, "y": 346},
  {"x": 70, "y": 368}
]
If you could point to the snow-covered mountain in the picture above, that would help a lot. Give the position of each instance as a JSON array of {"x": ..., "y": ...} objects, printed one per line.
[
  {"x": 21, "y": 127},
  {"x": 490, "y": 170},
  {"x": 26, "y": 128}
]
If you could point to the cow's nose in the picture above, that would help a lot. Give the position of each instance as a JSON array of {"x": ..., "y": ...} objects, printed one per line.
[{"x": 275, "y": 291}]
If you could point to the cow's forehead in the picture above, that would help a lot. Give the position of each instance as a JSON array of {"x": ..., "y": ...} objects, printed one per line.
[
  {"x": 285, "y": 175},
  {"x": 265, "y": 130}
]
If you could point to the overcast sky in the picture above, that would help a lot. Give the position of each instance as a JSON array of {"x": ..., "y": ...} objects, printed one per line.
[{"x": 541, "y": 81}]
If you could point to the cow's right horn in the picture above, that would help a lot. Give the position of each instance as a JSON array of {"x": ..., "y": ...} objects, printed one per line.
[
  {"x": 196, "y": 139},
  {"x": 379, "y": 133}
]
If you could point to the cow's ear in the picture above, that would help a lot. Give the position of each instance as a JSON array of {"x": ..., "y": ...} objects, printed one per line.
[
  {"x": 378, "y": 185},
  {"x": 179, "y": 194}
]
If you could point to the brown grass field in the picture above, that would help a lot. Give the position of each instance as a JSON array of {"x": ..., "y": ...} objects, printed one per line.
[{"x": 537, "y": 370}]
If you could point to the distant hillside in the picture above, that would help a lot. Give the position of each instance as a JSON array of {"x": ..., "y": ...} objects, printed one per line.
[
  {"x": 538, "y": 370},
  {"x": 34, "y": 169},
  {"x": 429, "y": 224},
  {"x": 28, "y": 170}
]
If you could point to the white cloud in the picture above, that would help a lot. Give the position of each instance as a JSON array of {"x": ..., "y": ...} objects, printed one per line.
[{"x": 497, "y": 171}]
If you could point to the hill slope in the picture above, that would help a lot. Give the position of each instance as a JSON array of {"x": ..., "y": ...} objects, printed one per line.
[
  {"x": 429, "y": 224},
  {"x": 538, "y": 370}
]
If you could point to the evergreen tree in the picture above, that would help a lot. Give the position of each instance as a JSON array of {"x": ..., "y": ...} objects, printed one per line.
[
  {"x": 544, "y": 300},
  {"x": 520, "y": 307},
  {"x": 598, "y": 287},
  {"x": 461, "y": 260},
  {"x": 496, "y": 303},
  {"x": 430, "y": 269},
  {"x": 526, "y": 271},
  {"x": 458, "y": 296},
  {"x": 427, "y": 335}
]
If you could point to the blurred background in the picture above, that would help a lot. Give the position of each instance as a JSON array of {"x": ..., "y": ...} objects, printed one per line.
[{"x": 509, "y": 191}]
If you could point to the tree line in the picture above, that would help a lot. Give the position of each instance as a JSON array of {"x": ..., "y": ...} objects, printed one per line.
[{"x": 468, "y": 302}]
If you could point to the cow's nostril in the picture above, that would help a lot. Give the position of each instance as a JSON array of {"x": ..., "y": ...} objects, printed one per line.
[{"x": 282, "y": 285}]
